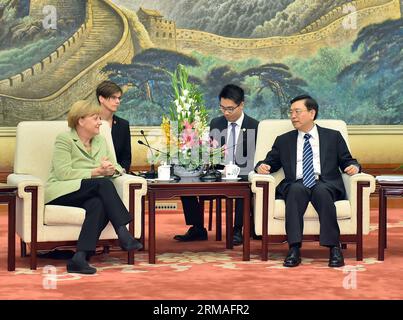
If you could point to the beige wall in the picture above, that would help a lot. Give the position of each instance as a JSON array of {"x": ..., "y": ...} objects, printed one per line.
[
  {"x": 369, "y": 144},
  {"x": 378, "y": 148}
]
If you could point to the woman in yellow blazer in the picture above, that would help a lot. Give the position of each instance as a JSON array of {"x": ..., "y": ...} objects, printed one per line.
[{"x": 82, "y": 168}]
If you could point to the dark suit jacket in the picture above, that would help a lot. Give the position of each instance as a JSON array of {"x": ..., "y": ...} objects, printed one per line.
[
  {"x": 334, "y": 154},
  {"x": 246, "y": 143},
  {"x": 122, "y": 142}
]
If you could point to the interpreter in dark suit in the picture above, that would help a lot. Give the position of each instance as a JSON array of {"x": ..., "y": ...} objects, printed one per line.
[
  {"x": 311, "y": 157},
  {"x": 238, "y": 132},
  {"x": 109, "y": 95},
  {"x": 81, "y": 174}
]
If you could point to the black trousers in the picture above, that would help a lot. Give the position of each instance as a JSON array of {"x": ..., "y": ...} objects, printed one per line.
[
  {"x": 191, "y": 209},
  {"x": 322, "y": 197},
  {"x": 102, "y": 204}
]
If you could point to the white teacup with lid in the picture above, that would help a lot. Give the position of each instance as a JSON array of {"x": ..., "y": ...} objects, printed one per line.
[
  {"x": 232, "y": 171},
  {"x": 164, "y": 171}
]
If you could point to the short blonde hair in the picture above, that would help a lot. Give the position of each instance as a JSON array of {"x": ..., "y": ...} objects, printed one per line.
[{"x": 80, "y": 109}]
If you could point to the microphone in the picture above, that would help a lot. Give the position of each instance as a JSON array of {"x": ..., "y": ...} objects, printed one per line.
[
  {"x": 152, "y": 148},
  {"x": 151, "y": 174},
  {"x": 142, "y": 133},
  {"x": 212, "y": 173},
  {"x": 148, "y": 174}
]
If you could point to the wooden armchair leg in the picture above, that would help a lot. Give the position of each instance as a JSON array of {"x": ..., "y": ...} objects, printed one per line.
[
  {"x": 218, "y": 232},
  {"x": 359, "y": 252},
  {"x": 143, "y": 216},
  {"x": 210, "y": 215},
  {"x": 202, "y": 210},
  {"x": 130, "y": 257},
  {"x": 33, "y": 256}
]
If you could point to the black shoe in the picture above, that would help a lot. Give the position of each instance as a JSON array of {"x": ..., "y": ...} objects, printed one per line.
[
  {"x": 126, "y": 240},
  {"x": 256, "y": 237},
  {"x": 193, "y": 234},
  {"x": 238, "y": 239},
  {"x": 79, "y": 267},
  {"x": 293, "y": 258},
  {"x": 131, "y": 244},
  {"x": 336, "y": 258}
]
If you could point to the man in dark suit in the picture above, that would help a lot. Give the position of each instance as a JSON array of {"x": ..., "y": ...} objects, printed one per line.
[
  {"x": 109, "y": 95},
  {"x": 310, "y": 157},
  {"x": 238, "y": 132}
]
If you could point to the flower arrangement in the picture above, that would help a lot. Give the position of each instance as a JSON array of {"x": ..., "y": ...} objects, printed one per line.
[{"x": 185, "y": 129}]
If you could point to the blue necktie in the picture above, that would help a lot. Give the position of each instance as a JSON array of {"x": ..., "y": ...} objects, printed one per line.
[
  {"x": 308, "y": 174},
  {"x": 231, "y": 144}
]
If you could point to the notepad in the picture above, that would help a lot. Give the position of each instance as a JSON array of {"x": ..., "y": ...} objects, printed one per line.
[{"x": 391, "y": 178}]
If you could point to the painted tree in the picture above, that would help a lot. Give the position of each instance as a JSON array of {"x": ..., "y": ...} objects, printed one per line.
[
  {"x": 215, "y": 79},
  {"x": 150, "y": 72},
  {"x": 377, "y": 76},
  {"x": 277, "y": 78},
  {"x": 148, "y": 79}
]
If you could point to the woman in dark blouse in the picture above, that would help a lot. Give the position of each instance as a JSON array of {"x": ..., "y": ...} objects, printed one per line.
[{"x": 109, "y": 95}]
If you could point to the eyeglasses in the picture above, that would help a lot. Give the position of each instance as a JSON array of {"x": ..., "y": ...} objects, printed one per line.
[
  {"x": 228, "y": 109},
  {"x": 296, "y": 111}
]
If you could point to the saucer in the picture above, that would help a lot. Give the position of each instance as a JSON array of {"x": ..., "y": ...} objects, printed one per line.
[
  {"x": 225, "y": 178},
  {"x": 162, "y": 180}
]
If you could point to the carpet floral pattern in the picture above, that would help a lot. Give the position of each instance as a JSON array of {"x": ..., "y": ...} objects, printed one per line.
[{"x": 206, "y": 270}]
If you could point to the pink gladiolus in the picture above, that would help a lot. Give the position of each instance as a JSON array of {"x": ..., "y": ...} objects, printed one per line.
[
  {"x": 189, "y": 136},
  {"x": 187, "y": 125}
]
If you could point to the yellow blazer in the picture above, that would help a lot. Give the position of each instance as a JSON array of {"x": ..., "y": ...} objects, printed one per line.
[{"x": 72, "y": 162}]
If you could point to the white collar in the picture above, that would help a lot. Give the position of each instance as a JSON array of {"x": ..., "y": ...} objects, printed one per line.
[
  {"x": 239, "y": 121},
  {"x": 313, "y": 132}
]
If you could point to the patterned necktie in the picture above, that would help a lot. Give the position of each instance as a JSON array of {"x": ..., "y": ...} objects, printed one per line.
[
  {"x": 231, "y": 144},
  {"x": 308, "y": 174}
]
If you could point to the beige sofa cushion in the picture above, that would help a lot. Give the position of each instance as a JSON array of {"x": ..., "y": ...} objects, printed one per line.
[
  {"x": 343, "y": 210},
  {"x": 63, "y": 215}
]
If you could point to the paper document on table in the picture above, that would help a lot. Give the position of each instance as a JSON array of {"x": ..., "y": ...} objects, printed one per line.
[{"x": 395, "y": 178}]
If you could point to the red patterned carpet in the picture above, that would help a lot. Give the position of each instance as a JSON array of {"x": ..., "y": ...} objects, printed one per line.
[{"x": 206, "y": 270}]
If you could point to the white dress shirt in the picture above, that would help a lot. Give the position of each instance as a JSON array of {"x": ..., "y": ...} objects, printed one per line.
[{"x": 314, "y": 141}]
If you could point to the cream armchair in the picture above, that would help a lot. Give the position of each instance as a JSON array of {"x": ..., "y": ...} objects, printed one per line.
[
  {"x": 269, "y": 214},
  {"x": 48, "y": 226}
]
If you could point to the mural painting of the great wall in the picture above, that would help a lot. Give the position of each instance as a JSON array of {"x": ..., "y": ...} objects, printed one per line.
[{"x": 347, "y": 54}]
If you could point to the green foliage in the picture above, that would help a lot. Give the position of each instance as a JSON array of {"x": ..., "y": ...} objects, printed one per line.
[
  {"x": 320, "y": 72},
  {"x": 148, "y": 78},
  {"x": 140, "y": 112},
  {"x": 376, "y": 76},
  {"x": 360, "y": 82},
  {"x": 185, "y": 128}
]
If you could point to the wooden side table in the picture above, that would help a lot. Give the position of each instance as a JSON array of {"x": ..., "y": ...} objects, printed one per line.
[
  {"x": 8, "y": 195},
  {"x": 194, "y": 187},
  {"x": 386, "y": 189}
]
